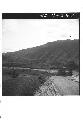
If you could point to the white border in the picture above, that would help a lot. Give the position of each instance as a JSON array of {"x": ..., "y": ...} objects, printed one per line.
[{"x": 42, "y": 110}]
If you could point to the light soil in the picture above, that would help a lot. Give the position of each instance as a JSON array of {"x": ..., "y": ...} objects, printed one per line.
[{"x": 58, "y": 85}]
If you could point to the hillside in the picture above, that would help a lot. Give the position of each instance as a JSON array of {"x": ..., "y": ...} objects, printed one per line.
[{"x": 51, "y": 55}]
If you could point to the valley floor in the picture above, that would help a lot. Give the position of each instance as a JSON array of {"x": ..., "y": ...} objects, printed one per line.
[{"x": 38, "y": 82}]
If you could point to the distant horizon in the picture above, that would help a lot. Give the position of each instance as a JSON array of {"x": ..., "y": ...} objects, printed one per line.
[{"x": 38, "y": 45}]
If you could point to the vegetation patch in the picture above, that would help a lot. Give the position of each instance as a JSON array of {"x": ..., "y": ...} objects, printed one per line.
[{"x": 13, "y": 85}]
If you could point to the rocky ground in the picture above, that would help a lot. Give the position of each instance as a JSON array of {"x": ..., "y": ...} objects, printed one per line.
[{"x": 59, "y": 85}]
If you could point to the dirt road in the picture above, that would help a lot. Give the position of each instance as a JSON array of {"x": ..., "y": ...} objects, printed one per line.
[{"x": 58, "y": 85}]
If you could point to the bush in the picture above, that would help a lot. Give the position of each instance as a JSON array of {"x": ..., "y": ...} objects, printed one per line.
[
  {"x": 41, "y": 78},
  {"x": 64, "y": 72},
  {"x": 72, "y": 65},
  {"x": 14, "y": 74},
  {"x": 61, "y": 72}
]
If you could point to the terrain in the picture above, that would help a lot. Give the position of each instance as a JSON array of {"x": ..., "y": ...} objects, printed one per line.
[
  {"x": 50, "y": 69},
  {"x": 21, "y": 82},
  {"x": 58, "y": 85}
]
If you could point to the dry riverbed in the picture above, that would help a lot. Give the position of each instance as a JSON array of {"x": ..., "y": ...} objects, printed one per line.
[{"x": 59, "y": 85}]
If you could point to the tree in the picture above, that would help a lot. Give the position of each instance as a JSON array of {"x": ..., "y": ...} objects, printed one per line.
[{"x": 71, "y": 65}]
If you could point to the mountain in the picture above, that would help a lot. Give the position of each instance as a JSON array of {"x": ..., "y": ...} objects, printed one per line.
[{"x": 52, "y": 54}]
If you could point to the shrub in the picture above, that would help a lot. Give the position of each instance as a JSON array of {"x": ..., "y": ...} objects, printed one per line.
[
  {"x": 14, "y": 73},
  {"x": 61, "y": 72},
  {"x": 72, "y": 65}
]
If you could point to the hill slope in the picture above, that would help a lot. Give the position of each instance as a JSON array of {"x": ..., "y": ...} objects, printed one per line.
[{"x": 52, "y": 54}]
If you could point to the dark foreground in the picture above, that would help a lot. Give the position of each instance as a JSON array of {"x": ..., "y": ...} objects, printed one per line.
[
  {"x": 30, "y": 82},
  {"x": 21, "y": 82}
]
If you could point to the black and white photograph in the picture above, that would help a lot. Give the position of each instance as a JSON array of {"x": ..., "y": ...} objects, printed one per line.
[{"x": 41, "y": 54}]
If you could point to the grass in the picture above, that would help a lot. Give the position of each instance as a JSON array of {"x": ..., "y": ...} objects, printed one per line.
[{"x": 21, "y": 82}]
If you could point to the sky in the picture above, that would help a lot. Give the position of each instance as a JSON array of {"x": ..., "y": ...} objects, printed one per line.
[{"x": 20, "y": 34}]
